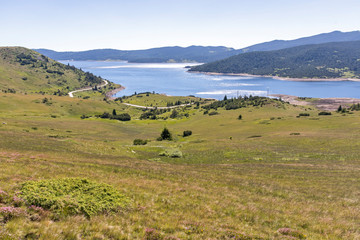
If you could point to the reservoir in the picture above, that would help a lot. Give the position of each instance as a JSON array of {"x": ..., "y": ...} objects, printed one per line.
[{"x": 173, "y": 79}]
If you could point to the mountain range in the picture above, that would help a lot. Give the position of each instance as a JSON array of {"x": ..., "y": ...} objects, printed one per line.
[{"x": 199, "y": 54}]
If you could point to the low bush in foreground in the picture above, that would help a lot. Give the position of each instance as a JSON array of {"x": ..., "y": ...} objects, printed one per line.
[{"x": 72, "y": 196}]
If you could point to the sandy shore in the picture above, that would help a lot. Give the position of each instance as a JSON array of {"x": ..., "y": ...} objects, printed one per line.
[
  {"x": 110, "y": 94},
  {"x": 281, "y": 78}
]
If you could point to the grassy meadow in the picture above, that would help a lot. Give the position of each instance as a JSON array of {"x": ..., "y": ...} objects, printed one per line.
[{"x": 270, "y": 175}]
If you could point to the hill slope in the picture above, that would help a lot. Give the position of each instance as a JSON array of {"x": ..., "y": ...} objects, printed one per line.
[
  {"x": 164, "y": 54},
  {"x": 25, "y": 70},
  {"x": 329, "y": 60}
]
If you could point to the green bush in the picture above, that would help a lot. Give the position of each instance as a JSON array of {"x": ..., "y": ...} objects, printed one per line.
[
  {"x": 304, "y": 114},
  {"x": 324, "y": 113},
  {"x": 140, "y": 142},
  {"x": 122, "y": 117},
  {"x": 71, "y": 196},
  {"x": 213, "y": 113},
  {"x": 187, "y": 133},
  {"x": 173, "y": 153}
]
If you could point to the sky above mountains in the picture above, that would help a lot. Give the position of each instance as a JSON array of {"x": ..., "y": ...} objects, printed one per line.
[{"x": 139, "y": 24}]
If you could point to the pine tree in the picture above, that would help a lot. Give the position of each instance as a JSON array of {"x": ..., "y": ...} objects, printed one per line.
[
  {"x": 166, "y": 135},
  {"x": 339, "y": 109}
]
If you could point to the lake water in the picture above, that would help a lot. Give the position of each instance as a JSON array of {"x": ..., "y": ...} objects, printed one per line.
[{"x": 173, "y": 79}]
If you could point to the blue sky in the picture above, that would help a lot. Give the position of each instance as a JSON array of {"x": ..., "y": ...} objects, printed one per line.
[{"x": 140, "y": 24}]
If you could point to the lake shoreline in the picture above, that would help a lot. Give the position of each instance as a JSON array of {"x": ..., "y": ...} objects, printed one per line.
[
  {"x": 280, "y": 78},
  {"x": 110, "y": 95}
]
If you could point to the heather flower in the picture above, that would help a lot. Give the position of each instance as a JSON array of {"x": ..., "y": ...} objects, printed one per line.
[
  {"x": 36, "y": 208},
  {"x": 18, "y": 202},
  {"x": 152, "y": 234},
  {"x": 11, "y": 212},
  {"x": 37, "y": 213}
]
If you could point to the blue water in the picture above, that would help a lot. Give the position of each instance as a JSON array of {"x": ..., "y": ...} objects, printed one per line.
[{"x": 173, "y": 79}]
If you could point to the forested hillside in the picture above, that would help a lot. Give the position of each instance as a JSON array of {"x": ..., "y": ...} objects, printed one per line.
[{"x": 329, "y": 60}]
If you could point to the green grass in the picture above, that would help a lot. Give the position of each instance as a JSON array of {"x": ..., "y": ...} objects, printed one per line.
[
  {"x": 26, "y": 71},
  {"x": 158, "y": 100},
  {"x": 225, "y": 184}
]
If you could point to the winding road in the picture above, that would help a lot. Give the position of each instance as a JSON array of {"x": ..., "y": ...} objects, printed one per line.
[{"x": 71, "y": 94}]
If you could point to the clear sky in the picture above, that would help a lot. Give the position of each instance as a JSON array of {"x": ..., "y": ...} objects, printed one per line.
[{"x": 139, "y": 24}]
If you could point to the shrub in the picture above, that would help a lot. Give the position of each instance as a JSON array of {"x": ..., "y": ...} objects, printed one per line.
[
  {"x": 105, "y": 115},
  {"x": 187, "y": 133},
  {"x": 173, "y": 153},
  {"x": 213, "y": 113},
  {"x": 174, "y": 114},
  {"x": 295, "y": 134},
  {"x": 324, "y": 113},
  {"x": 140, "y": 142},
  {"x": 240, "y": 117},
  {"x": 84, "y": 116},
  {"x": 72, "y": 196},
  {"x": 304, "y": 114},
  {"x": 255, "y": 136},
  {"x": 122, "y": 117}
]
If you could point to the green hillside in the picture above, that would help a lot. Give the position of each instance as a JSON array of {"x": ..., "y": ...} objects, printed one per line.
[
  {"x": 26, "y": 71},
  {"x": 276, "y": 173},
  {"x": 328, "y": 60}
]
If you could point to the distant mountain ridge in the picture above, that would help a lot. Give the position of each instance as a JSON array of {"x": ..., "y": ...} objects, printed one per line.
[
  {"x": 335, "y": 36},
  {"x": 164, "y": 54},
  {"x": 199, "y": 54},
  {"x": 325, "y": 61}
]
